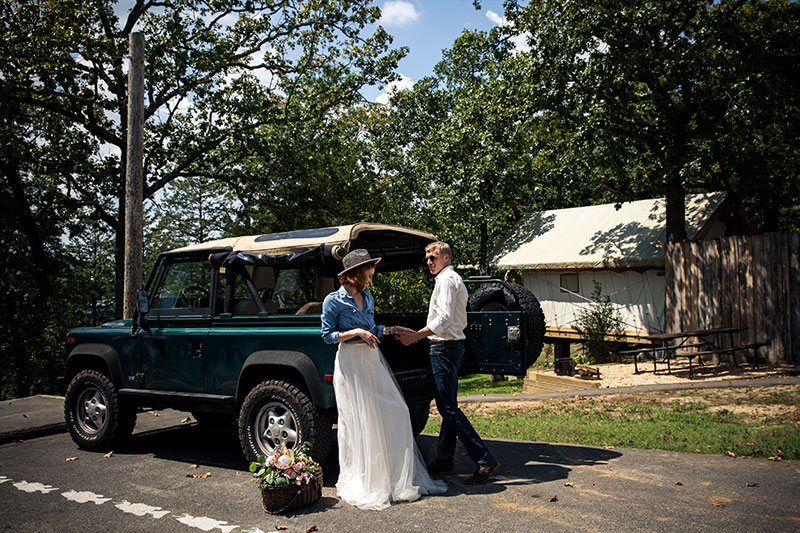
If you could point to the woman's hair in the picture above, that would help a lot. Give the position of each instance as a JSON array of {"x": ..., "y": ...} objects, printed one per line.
[{"x": 356, "y": 277}]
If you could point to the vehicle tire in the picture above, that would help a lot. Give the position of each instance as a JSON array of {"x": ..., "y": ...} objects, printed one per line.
[
  {"x": 96, "y": 417},
  {"x": 496, "y": 297},
  {"x": 277, "y": 413},
  {"x": 419, "y": 416}
]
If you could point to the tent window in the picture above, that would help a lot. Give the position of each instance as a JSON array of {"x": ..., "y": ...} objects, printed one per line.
[{"x": 569, "y": 283}]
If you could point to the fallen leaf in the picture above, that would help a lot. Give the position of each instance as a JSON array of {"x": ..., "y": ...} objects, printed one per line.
[
  {"x": 749, "y": 444},
  {"x": 72, "y": 459},
  {"x": 730, "y": 453},
  {"x": 554, "y": 499},
  {"x": 200, "y": 476},
  {"x": 25, "y": 416},
  {"x": 775, "y": 458},
  {"x": 751, "y": 484},
  {"x": 568, "y": 485},
  {"x": 678, "y": 483},
  {"x": 194, "y": 466},
  {"x": 281, "y": 527},
  {"x": 716, "y": 504},
  {"x": 312, "y": 528},
  {"x": 155, "y": 413},
  {"x": 109, "y": 454}
]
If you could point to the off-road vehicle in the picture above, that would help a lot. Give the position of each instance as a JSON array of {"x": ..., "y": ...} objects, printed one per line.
[{"x": 229, "y": 330}]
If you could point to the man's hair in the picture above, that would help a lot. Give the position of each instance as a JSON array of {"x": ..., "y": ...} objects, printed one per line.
[
  {"x": 442, "y": 248},
  {"x": 356, "y": 277}
]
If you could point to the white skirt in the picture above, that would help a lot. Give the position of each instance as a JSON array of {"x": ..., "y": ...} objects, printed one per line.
[{"x": 379, "y": 461}]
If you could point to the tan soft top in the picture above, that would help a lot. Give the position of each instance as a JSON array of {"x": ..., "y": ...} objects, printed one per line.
[{"x": 301, "y": 240}]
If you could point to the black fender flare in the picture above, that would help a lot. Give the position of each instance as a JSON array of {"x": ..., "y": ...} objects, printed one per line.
[
  {"x": 297, "y": 363},
  {"x": 100, "y": 356}
]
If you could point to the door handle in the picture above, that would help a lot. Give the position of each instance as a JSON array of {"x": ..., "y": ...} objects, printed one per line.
[{"x": 197, "y": 350}]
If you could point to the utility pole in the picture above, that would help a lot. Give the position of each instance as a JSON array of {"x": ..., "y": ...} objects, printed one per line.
[{"x": 134, "y": 175}]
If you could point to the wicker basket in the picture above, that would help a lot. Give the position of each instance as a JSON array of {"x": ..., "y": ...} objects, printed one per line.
[{"x": 283, "y": 498}]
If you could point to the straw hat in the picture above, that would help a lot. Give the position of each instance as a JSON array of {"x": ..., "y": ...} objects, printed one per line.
[{"x": 357, "y": 258}]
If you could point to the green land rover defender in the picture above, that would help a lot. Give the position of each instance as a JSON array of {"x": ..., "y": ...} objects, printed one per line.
[{"x": 229, "y": 330}]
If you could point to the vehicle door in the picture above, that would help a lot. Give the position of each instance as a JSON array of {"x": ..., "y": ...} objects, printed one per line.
[{"x": 173, "y": 348}]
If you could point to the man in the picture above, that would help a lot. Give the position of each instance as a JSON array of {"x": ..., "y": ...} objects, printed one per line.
[{"x": 447, "y": 318}]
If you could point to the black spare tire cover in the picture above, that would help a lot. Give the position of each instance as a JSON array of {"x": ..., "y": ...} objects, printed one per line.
[{"x": 498, "y": 297}]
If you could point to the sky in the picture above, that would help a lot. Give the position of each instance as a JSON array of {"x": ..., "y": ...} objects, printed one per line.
[{"x": 427, "y": 27}]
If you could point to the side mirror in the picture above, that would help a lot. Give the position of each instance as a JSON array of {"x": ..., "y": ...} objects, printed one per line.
[{"x": 141, "y": 302}]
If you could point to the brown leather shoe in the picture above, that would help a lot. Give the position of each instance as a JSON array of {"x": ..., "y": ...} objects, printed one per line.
[{"x": 483, "y": 473}]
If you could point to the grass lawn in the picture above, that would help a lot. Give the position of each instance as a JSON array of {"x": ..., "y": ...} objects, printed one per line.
[
  {"x": 478, "y": 384},
  {"x": 756, "y": 422}
]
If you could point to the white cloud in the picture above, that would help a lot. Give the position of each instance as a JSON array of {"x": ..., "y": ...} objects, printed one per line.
[
  {"x": 398, "y": 85},
  {"x": 519, "y": 41},
  {"x": 398, "y": 13}
]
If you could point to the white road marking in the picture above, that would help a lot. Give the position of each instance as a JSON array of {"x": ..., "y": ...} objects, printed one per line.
[
  {"x": 85, "y": 497},
  {"x": 202, "y": 523},
  {"x": 24, "y": 486},
  {"x": 205, "y": 524},
  {"x": 140, "y": 509}
]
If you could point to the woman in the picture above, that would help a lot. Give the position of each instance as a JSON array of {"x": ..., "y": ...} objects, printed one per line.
[{"x": 379, "y": 461}]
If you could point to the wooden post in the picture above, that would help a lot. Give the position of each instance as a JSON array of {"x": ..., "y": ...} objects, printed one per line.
[{"x": 134, "y": 175}]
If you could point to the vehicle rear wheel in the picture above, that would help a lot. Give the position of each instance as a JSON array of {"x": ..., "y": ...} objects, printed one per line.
[
  {"x": 96, "y": 417},
  {"x": 496, "y": 297},
  {"x": 277, "y": 413}
]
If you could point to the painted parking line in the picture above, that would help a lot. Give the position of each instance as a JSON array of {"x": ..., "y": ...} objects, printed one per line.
[{"x": 203, "y": 523}]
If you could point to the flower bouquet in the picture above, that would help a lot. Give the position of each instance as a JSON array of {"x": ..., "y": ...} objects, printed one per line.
[{"x": 288, "y": 479}]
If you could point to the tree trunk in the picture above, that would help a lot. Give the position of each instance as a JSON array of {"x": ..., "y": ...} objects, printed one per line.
[
  {"x": 676, "y": 210},
  {"x": 28, "y": 223}
]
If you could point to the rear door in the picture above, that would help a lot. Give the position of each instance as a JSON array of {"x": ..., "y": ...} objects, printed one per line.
[{"x": 494, "y": 343}]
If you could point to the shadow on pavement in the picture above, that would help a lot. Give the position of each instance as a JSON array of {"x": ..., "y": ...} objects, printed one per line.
[{"x": 521, "y": 463}]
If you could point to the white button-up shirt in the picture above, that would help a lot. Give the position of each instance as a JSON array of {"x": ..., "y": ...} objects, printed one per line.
[{"x": 447, "y": 311}]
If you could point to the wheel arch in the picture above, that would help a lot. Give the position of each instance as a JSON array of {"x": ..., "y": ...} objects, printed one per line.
[
  {"x": 91, "y": 356},
  {"x": 270, "y": 364}
]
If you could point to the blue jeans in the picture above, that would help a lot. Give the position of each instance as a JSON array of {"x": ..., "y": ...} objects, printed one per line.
[{"x": 446, "y": 359}]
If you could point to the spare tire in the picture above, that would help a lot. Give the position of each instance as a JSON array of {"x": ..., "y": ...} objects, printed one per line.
[{"x": 498, "y": 297}]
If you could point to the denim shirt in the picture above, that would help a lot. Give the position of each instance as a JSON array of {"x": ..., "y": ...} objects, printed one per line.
[{"x": 341, "y": 313}]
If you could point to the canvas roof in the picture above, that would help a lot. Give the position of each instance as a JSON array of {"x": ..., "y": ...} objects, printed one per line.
[
  {"x": 302, "y": 240},
  {"x": 599, "y": 236}
]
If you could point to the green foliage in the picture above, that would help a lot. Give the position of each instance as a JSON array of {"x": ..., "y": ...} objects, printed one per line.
[
  {"x": 406, "y": 291},
  {"x": 595, "y": 323}
]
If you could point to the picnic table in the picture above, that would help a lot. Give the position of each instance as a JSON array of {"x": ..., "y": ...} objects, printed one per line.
[{"x": 710, "y": 341}]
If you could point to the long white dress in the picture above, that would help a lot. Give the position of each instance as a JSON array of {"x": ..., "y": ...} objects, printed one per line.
[{"x": 379, "y": 461}]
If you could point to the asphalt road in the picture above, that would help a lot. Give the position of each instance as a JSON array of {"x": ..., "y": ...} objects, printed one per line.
[{"x": 540, "y": 487}]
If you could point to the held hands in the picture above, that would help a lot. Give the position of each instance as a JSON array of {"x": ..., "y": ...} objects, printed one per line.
[{"x": 408, "y": 336}]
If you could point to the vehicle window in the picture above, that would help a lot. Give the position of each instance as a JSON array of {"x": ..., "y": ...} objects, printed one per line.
[
  {"x": 185, "y": 286},
  {"x": 293, "y": 288}
]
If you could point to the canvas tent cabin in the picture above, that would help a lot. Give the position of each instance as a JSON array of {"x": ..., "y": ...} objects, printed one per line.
[{"x": 561, "y": 253}]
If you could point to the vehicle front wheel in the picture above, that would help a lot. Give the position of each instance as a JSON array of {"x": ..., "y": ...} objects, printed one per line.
[
  {"x": 277, "y": 413},
  {"x": 96, "y": 417}
]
